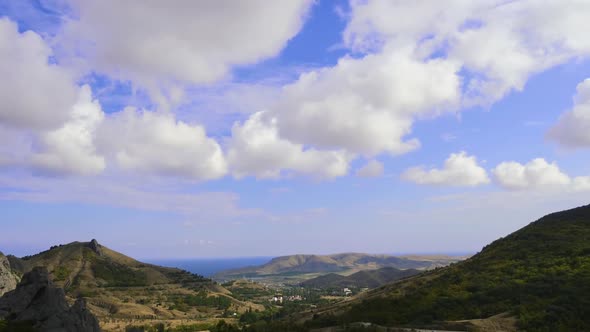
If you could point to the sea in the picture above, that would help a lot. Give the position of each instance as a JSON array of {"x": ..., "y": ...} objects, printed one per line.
[{"x": 207, "y": 267}]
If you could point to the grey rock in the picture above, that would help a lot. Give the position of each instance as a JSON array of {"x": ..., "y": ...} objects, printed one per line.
[
  {"x": 35, "y": 299},
  {"x": 8, "y": 279},
  {"x": 95, "y": 247}
]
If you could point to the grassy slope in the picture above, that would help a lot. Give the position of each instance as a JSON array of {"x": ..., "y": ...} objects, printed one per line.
[
  {"x": 540, "y": 274},
  {"x": 117, "y": 286},
  {"x": 75, "y": 266},
  {"x": 366, "y": 278}
]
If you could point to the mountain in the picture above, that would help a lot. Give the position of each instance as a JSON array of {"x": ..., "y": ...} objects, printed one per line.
[
  {"x": 347, "y": 262},
  {"x": 361, "y": 279},
  {"x": 37, "y": 304},
  {"x": 538, "y": 276},
  {"x": 79, "y": 266},
  {"x": 8, "y": 279},
  {"x": 117, "y": 287}
]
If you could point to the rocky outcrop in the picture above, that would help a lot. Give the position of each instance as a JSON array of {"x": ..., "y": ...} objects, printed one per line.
[
  {"x": 36, "y": 300},
  {"x": 95, "y": 247},
  {"x": 8, "y": 279}
]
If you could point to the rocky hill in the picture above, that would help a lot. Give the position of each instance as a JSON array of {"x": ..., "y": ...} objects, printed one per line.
[
  {"x": 361, "y": 279},
  {"x": 350, "y": 262},
  {"x": 82, "y": 265},
  {"x": 8, "y": 278},
  {"x": 117, "y": 287},
  {"x": 539, "y": 276}
]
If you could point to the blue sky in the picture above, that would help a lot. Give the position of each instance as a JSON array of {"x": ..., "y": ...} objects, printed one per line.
[{"x": 217, "y": 129}]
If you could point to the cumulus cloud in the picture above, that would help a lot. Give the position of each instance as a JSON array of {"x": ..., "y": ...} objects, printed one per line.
[
  {"x": 581, "y": 183},
  {"x": 70, "y": 149},
  {"x": 256, "y": 149},
  {"x": 573, "y": 127},
  {"x": 536, "y": 174},
  {"x": 398, "y": 70},
  {"x": 35, "y": 94},
  {"x": 373, "y": 168},
  {"x": 15, "y": 148},
  {"x": 181, "y": 40},
  {"x": 404, "y": 70},
  {"x": 366, "y": 106},
  {"x": 157, "y": 143},
  {"x": 459, "y": 169},
  {"x": 531, "y": 36}
]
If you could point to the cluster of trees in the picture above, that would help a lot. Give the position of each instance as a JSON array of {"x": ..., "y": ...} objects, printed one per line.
[
  {"x": 117, "y": 275},
  {"x": 14, "y": 326},
  {"x": 184, "y": 302},
  {"x": 185, "y": 277}
]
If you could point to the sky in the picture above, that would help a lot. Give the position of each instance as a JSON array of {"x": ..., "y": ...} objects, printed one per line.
[{"x": 190, "y": 129}]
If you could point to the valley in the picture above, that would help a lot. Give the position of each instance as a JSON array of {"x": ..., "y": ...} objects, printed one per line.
[
  {"x": 535, "y": 279},
  {"x": 122, "y": 292}
]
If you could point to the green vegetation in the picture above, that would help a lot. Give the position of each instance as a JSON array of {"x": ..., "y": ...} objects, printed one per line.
[
  {"x": 221, "y": 326},
  {"x": 249, "y": 291},
  {"x": 540, "y": 273},
  {"x": 60, "y": 273},
  {"x": 184, "y": 302},
  {"x": 13, "y": 326},
  {"x": 118, "y": 275},
  {"x": 160, "y": 327},
  {"x": 361, "y": 279},
  {"x": 186, "y": 277},
  {"x": 128, "y": 289}
]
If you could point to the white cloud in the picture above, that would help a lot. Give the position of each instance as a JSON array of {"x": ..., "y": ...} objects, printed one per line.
[
  {"x": 531, "y": 36},
  {"x": 15, "y": 148},
  {"x": 256, "y": 149},
  {"x": 156, "y": 143},
  {"x": 371, "y": 169},
  {"x": 154, "y": 43},
  {"x": 573, "y": 127},
  {"x": 70, "y": 149},
  {"x": 366, "y": 106},
  {"x": 398, "y": 71},
  {"x": 459, "y": 169},
  {"x": 405, "y": 70},
  {"x": 535, "y": 174},
  {"x": 581, "y": 183},
  {"x": 34, "y": 94},
  {"x": 136, "y": 192}
]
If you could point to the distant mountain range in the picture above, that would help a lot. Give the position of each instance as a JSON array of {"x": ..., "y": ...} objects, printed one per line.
[
  {"x": 361, "y": 279},
  {"x": 535, "y": 279},
  {"x": 341, "y": 263}
]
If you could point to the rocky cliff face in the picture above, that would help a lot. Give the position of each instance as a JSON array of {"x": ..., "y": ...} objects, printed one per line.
[
  {"x": 8, "y": 280},
  {"x": 94, "y": 246},
  {"x": 36, "y": 300}
]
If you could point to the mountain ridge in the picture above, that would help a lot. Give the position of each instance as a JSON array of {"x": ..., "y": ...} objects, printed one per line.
[
  {"x": 539, "y": 274},
  {"x": 305, "y": 263},
  {"x": 118, "y": 287},
  {"x": 361, "y": 279}
]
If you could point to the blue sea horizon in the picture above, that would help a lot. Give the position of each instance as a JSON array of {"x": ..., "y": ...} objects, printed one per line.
[{"x": 208, "y": 267}]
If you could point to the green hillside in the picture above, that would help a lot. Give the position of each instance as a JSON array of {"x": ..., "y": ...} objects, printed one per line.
[
  {"x": 361, "y": 279},
  {"x": 120, "y": 288},
  {"x": 80, "y": 266},
  {"x": 539, "y": 274}
]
